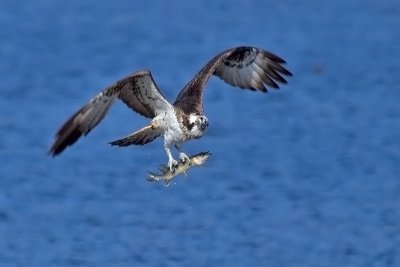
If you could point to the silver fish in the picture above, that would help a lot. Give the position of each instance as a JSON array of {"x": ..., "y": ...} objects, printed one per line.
[{"x": 166, "y": 174}]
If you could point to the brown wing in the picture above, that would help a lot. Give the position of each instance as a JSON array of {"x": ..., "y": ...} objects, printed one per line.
[
  {"x": 140, "y": 137},
  {"x": 252, "y": 68},
  {"x": 244, "y": 67},
  {"x": 138, "y": 91}
]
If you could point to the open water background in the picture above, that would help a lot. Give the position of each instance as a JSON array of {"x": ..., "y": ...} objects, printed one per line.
[{"x": 304, "y": 176}]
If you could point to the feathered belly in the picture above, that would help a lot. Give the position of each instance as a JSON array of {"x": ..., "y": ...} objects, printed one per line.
[
  {"x": 173, "y": 132},
  {"x": 174, "y": 136}
]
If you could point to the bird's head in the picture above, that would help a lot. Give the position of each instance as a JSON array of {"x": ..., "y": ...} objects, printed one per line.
[{"x": 197, "y": 124}]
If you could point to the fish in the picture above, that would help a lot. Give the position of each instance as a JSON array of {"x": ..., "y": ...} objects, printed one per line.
[{"x": 182, "y": 167}]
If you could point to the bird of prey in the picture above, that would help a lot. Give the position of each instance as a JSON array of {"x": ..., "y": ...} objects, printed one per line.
[{"x": 244, "y": 67}]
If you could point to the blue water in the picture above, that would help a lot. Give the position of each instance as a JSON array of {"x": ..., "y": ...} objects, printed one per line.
[{"x": 304, "y": 176}]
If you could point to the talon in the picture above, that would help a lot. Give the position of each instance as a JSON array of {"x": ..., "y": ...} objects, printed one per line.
[
  {"x": 183, "y": 157},
  {"x": 171, "y": 164}
]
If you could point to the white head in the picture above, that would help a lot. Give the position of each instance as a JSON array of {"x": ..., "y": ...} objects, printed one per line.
[{"x": 197, "y": 124}]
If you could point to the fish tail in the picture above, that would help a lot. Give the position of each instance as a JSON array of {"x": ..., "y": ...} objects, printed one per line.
[{"x": 152, "y": 177}]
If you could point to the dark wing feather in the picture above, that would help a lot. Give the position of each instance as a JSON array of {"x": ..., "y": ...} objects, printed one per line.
[
  {"x": 141, "y": 94},
  {"x": 244, "y": 67},
  {"x": 252, "y": 68},
  {"x": 138, "y": 91},
  {"x": 140, "y": 137}
]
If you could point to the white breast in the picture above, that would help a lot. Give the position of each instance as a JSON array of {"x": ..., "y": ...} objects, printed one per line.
[{"x": 173, "y": 133}]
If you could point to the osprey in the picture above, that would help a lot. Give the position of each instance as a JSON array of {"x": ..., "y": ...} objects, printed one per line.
[{"x": 244, "y": 67}]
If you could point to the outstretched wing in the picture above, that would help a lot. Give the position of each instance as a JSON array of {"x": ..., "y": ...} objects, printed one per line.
[
  {"x": 138, "y": 91},
  {"x": 252, "y": 68},
  {"x": 140, "y": 137},
  {"x": 244, "y": 67}
]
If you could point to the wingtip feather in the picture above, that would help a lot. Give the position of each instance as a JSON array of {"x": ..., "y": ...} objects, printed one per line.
[{"x": 63, "y": 140}]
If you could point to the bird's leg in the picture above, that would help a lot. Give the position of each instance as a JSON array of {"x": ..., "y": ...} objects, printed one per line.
[
  {"x": 182, "y": 156},
  {"x": 171, "y": 161}
]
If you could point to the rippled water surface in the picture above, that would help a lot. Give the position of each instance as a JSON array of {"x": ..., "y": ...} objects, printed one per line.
[{"x": 304, "y": 176}]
